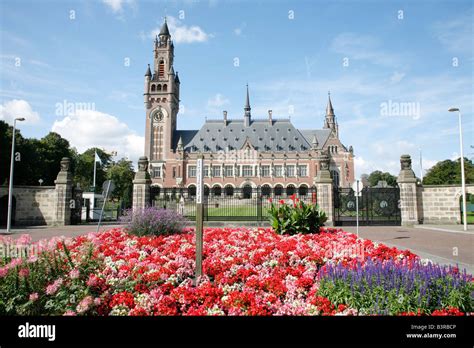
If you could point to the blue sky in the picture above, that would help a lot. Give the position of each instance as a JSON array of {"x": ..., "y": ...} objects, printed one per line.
[{"x": 369, "y": 54}]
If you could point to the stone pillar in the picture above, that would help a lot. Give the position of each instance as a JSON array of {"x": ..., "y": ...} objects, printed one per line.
[
  {"x": 324, "y": 187},
  {"x": 408, "y": 196},
  {"x": 64, "y": 193},
  {"x": 141, "y": 185}
]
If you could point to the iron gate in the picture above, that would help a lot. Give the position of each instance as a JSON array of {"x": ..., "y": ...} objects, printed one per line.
[
  {"x": 229, "y": 203},
  {"x": 377, "y": 207}
]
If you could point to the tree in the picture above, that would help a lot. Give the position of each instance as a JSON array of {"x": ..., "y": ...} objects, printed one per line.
[
  {"x": 378, "y": 175},
  {"x": 122, "y": 174},
  {"x": 84, "y": 168},
  {"x": 449, "y": 173},
  {"x": 35, "y": 159}
]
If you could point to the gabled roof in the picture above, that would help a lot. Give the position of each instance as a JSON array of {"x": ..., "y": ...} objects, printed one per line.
[{"x": 280, "y": 136}]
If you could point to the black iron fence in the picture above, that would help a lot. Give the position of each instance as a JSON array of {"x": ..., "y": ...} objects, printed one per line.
[
  {"x": 229, "y": 204},
  {"x": 377, "y": 206}
]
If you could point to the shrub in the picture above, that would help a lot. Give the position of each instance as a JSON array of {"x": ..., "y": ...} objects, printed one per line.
[
  {"x": 391, "y": 288},
  {"x": 297, "y": 217},
  {"x": 153, "y": 221}
]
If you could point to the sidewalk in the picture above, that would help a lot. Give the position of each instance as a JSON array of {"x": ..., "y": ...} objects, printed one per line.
[
  {"x": 42, "y": 232},
  {"x": 443, "y": 244}
]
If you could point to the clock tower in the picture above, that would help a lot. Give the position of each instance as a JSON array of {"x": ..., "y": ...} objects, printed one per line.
[{"x": 161, "y": 100}]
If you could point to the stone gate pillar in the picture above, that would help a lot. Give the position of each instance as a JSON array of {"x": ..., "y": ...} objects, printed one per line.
[
  {"x": 141, "y": 185},
  {"x": 63, "y": 193},
  {"x": 408, "y": 196},
  {"x": 324, "y": 187}
]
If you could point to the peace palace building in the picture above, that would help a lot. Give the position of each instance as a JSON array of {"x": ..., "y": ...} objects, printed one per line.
[{"x": 238, "y": 153}]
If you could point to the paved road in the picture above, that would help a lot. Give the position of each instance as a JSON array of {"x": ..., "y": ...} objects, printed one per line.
[{"x": 442, "y": 244}]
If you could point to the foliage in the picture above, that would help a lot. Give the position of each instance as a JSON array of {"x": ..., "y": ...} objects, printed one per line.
[
  {"x": 84, "y": 168},
  {"x": 153, "y": 221},
  {"x": 449, "y": 173},
  {"x": 122, "y": 174},
  {"x": 387, "y": 287},
  {"x": 246, "y": 272},
  {"x": 378, "y": 175},
  {"x": 297, "y": 217},
  {"x": 39, "y": 159},
  {"x": 51, "y": 281}
]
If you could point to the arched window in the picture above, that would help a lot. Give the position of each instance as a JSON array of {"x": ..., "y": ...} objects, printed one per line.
[
  {"x": 206, "y": 190},
  {"x": 191, "y": 190},
  {"x": 229, "y": 190},
  {"x": 158, "y": 88},
  {"x": 278, "y": 190},
  {"x": 216, "y": 191},
  {"x": 335, "y": 177},
  {"x": 303, "y": 190},
  {"x": 165, "y": 87},
  {"x": 247, "y": 191},
  {"x": 161, "y": 69},
  {"x": 266, "y": 190},
  {"x": 153, "y": 87},
  {"x": 290, "y": 190},
  {"x": 163, "y": 100}
]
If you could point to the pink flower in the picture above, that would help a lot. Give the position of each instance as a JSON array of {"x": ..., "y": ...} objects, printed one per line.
[
  {"x": 74, "y": 274},
  {"x": 24, "y": 272},
  {"x": 3, "y": 271},
  {"x": 33, "y": 296},
  {"x": 24, "y": 239},
  {"x": 84, "y": 305},
  {"x": 52, "y": 288},
  {"x": 69, "y": 313}
]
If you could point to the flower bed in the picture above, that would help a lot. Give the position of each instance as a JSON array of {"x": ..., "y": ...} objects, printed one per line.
[{"x": 248, "y": 272}]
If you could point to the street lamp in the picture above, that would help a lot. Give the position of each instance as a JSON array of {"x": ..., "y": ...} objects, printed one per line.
[
  {"x": 10, "y": 183},
  {"x": 463, "y": 179}
]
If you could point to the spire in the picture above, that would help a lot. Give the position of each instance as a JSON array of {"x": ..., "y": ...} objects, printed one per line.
[
  {"x": 164, "y": 29},
  {"x": 314, "y": 143},
  {"x": 247, "y": 109},
  {"x": 177, "y": 78},
  {"x": 329, "y": 108},
  {"x": 247, "y": 101},
  {"x": 180, "y": 144},
  {"x": 148, "y": 71}
]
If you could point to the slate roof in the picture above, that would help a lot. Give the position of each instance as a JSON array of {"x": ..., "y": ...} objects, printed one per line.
[{"x": 279, "y": 137}]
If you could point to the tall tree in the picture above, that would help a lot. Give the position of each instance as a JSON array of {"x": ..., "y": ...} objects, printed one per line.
[
  {"x": 84, "y": 168},
  {"x": 122, "y": 175},
  {"x": 449, "y": 173},
  {"x": 378, "y": 175}
]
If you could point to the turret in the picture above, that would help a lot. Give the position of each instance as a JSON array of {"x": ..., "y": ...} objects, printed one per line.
[
  {"x": 147, "y": 83},
  {"x": 330, "y": 119}
]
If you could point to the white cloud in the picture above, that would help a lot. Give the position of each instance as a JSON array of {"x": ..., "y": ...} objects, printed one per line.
[
  {"x": 117, "y": 5},
  {"x": 238, "y": 31},
  {"x": 397, "y": 77},
  {"x": 456, "y": 34},
  {"x": 89, "y": 128},
  {"x": 181, "y": 33},
  {"x": 217, "y": 101},
  {"x": 18, "y": 108},
  {"x": 363, "y": 47}
]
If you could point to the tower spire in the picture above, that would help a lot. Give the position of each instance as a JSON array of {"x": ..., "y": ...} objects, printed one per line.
[
  {"x": 247, "y": 109},
  {"x": 329, "y": 108}
]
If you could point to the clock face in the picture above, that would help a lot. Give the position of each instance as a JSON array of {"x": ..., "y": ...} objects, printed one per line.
[{"x": 159, "y": 115}]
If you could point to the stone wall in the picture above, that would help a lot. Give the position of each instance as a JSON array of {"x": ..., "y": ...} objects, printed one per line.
[
  {"x": 43, "y": 205},
  {"x": 441, "y": 203},
  {"x": 35, "y": 205}
]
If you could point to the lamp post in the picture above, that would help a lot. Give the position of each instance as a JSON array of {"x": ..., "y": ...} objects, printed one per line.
[
  {"x": 463, "y": 179},
  {"x": 10, "y": 183}
]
